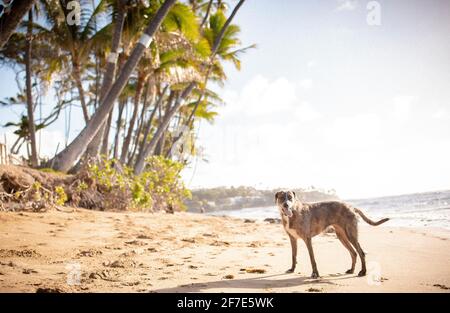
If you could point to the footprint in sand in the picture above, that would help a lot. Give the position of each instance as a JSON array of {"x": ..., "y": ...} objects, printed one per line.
[
  {"x": 135, "y": 283},
  {"x": 136, "y": 243},
  {"x": 314, "y": 289},
  {"x": 229, "y": 276},
  {"x": 29, "y": 271},
  {"x": 210, "y": 274},
  {"x": 143, "y": 236},
  {"x": 89, "y": 253},
  {"x": 441, "y": 286},
  {"x": 49, "y": 290},
  {"x": 108, "y": 275},
  {"x": 25, "y": 253}
]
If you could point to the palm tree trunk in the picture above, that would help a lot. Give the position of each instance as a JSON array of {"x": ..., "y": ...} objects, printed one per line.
[
  {"x": 106, "y": 130},
  {"x": 140, "y": 123},
  {"x": 9, "y": 22},
  {"x": 14, "y": 145},
  {"x": 67, "y": 157},
  {"x": 159, "y": 150},
  {"x": 150, "y": 120},
  {"x": 137, "y": 101},
  {"x": 213, "y": 53},
  {"x": 30, "y": 106},
  {"x": 208, "y": 9},
  {"x": 140, "y": 163},
  {"x": 118, "y": 127},
  {"x": 102, "y": 136},
  {"x": 79, "y": 84},
  {"x": 224, "y": 28}
]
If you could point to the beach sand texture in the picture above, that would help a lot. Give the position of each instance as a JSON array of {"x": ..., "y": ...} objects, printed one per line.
[{"x": 89, "y": 251}]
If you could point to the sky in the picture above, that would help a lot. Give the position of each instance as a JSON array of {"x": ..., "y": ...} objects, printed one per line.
[{"x": 334, "y": 96}]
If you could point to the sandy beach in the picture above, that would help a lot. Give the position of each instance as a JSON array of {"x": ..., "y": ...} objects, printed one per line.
[{"x": 89, "y": 251}]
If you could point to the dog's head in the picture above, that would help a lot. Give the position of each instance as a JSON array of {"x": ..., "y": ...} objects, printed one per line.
[{"x": 285, "y": 201}]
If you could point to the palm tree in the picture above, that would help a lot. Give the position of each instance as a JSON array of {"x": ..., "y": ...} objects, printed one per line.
[
  {"x": 10, "y": 21},
  {"x": 75, "y": 41},
  {"x": 139, "y": 167},
  {"x": 222, "y": 37},
  {"x": 30, "y": 106},
  {"x": 174, "y": 48},
  {"x": 66, "y": 158},
  {"x": 141, "y": 79},
  {"x": 119, "y": 10}
]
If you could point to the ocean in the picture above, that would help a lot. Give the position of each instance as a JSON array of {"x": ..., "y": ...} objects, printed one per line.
[{"x": 430, "y": 209}]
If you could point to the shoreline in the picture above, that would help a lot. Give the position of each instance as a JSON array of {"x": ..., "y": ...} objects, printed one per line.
[{"x": 191, "y": 252}]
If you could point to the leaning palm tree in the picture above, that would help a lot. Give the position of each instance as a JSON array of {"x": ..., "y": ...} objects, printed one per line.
[
  {"x": 119, "y": 9},
  {"x": 173, "y": 50},
  {"x": 222, "y": 36},
  {"x": 140, "y": 163},
  {"x": 66, "y": 158}
]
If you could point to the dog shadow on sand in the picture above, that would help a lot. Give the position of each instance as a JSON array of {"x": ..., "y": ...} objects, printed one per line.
[{"x": 260, "y": 282}]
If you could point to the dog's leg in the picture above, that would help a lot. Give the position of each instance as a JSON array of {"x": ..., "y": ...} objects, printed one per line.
[
  {"x": 315, "y": 273},
  {"x": 294, "y": 253},
  {"x": 352, "y": 234},
  {"x": 344, "y": 240}
]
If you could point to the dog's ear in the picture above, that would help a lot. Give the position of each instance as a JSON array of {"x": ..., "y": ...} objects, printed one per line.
[
  {"x": 276, "y": 195},
  {"x": 293, "y": 192}
]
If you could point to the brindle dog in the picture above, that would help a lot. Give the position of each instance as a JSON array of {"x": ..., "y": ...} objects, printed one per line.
[{"x": 304, "y": 221}]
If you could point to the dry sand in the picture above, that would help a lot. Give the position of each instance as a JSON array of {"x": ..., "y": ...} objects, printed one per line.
[{"x": 138, "y": 252}]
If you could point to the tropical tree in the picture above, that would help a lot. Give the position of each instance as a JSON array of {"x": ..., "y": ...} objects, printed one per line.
[
  {"x": 75, "y": 41},
  {"x": 66, "y": 158},
  {"x": 30, "y": 106},
  {"x": 10, "y": 21},
  {"x": 216, "y": 42},
  {"x": 119, "y": 12}
]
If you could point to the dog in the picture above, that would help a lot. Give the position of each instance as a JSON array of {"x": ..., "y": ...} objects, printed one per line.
[{"x": 304, "y": 221}]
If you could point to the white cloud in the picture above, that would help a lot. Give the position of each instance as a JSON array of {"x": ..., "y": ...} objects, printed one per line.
[
  {"x": 272, "y": 136},
  {"x": 261, "y": 97},
  {"x": 311, "y": 64},
  {"x": 358, "y": 131},
  {"x": 401, "y": 109},
  {"x": 441, "y": 114},
  {"x": 306, "y": 83},
  {"x": 347, "y": 5},
  {"x": 305, "y": 113}
]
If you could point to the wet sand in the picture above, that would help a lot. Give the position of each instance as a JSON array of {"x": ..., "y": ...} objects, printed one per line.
[{"x": 88, "y": 251}]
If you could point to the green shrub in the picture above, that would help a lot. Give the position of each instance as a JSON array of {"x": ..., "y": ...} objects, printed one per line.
[
  {"x": 159, "y": 187},
  {"x": 61, "y": 196}
]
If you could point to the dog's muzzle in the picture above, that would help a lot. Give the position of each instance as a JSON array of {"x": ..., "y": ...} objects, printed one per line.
[{"x": 286, "y": 210}]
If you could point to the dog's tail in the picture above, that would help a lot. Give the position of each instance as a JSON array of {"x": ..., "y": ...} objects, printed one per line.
[{"x": 368, "y": 220}]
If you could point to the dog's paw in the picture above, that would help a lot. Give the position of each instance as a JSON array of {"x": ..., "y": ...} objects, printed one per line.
[
  {"x": 315, "y": 275},
  {"x": 291, "y": 270},
  {"x": 350, "y": 271},
  {"x": 362, "y": 273}
]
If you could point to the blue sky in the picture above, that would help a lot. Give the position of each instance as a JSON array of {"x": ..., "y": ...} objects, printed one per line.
[{"x": 326, "y": 100}]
